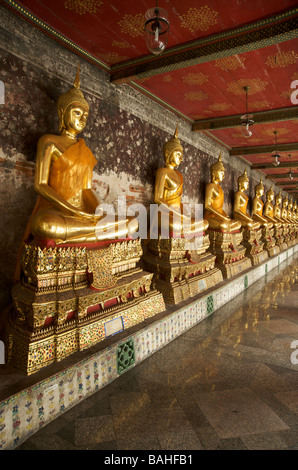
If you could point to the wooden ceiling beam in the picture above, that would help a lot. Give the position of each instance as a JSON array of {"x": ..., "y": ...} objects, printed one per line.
[
  {"x": 270, "y": 31},
  {"x": 286, "y": 183},
  {"x": 264, "y": 149},
  {"x": 259, "y": 117},
  {"x": 275, "y": 176},
  {"x": 263, "y": 166}
]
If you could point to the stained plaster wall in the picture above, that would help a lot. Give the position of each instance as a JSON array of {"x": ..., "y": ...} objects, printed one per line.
[{"x": 126, "y": 132}]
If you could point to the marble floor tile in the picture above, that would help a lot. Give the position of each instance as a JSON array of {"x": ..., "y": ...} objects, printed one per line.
[{"x": 237, "y": 412}]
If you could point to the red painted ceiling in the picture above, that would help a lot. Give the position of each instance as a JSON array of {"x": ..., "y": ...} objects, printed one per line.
[{"x": 112, "y": 31}]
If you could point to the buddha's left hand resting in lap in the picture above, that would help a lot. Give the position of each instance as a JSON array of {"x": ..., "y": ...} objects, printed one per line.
[{"x": 66, "y": 208}]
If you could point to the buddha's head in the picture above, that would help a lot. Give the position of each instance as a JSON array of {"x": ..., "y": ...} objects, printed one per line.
[
  {"x": 243, "y": 181},
  {"x": 290, "y": 204},
  {"x": 217, "y": 171},
  {"x": 278, "y": 198},
  {"x": 285, "y": 202},
  {"x": 295, "y": 206},
  {"x": 173, "y": 151},
  {"x": 259, "y": 189},
  {"x": 73, "y": 109},
  {"x": 270, "y": 195}
]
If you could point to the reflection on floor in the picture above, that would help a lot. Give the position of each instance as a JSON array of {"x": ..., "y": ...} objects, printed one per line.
[{"x": 228, "y": 383}]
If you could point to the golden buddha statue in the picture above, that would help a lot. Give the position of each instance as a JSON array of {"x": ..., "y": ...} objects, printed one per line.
[
  {"x": 214, "y": 201},
  {"x": 277, "y": 212},
  {"x": 177, "y": 249},
  {"x": 224, "y": 233},
  {"x": 277, "y": 209},
  {"x": 257, "y": 207},
  {"x": 168, "y": 192},
  {"x": 67, "y": 208},
  {"x": 240, "y": 204},
  {"x": 267, "y": 225},
  {"x": 250, "y": 228},
  {"x": 269, "y": 210}
]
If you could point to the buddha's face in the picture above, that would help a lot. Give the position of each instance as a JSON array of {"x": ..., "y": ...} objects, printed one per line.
[
  {"x": 259, "y": 192},
  {"x": 278, "y": 200},
  {"x": 218, "y": 175},
  {"x": 175, "y": 158},
  {"x": 75, "y": 119},
  {"x": 270, "y": 197}
]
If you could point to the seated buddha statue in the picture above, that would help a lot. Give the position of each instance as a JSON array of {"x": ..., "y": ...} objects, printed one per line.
[
  {"x": 167, "y": 194},
  {"x": 269, "y": 210},
  {"x": 67, "y": 210},
  {"x": 214, "y": 201},
  {"x": 240, "y": 204},
  {"x": 284, "y": 211},
  {"x": 257, "y": 207},
  {"x": 277, "y": 209}
]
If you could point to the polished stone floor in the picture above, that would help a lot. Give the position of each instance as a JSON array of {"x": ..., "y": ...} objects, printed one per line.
[{"x": 228, "y": 383}]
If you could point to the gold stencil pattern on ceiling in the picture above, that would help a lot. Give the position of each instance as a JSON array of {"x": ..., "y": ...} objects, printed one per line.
[
  {"x": 219, "y": 106},
  {"x": 280, "y": 131},
  {"x": 133, "y": 25},
  {"x": 230, "y": 63},
  {"x": 255, "y": 86},
  {"x": 120, "y": 44},
  {"x": 286, "y": 94},
  {"x": 196, "y": 95},
  {"x": 199, "y": 19},
  {"x": 83, "y": 6},
  {"x": 112, "y": 57},
  {"x": 195, "y": 78},
  {"x": 282, "y": 59},
  {"x": 256, "y": 105}
]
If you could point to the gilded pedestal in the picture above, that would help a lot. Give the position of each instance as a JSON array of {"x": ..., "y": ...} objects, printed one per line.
[
  {"x": 179, "y": 272},
  {"x": 71, "y": 298},
  {"x": 254, "y": 246},
  {"x": 229, "y": 252}
]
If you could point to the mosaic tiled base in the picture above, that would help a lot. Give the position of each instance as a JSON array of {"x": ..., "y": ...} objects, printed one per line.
[
  {"x": 26, "y": 412},
  {"x": 32, "y": 355}
]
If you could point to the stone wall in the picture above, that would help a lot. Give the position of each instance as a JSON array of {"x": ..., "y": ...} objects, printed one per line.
[{"x": 126, "y": 132}]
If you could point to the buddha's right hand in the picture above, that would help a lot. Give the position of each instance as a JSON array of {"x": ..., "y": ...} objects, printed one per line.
[{"x": 86, "y": 215}]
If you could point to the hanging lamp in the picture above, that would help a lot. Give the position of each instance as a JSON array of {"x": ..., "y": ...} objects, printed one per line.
[
  {"x": 247, "y": 119},
  {"x": 275, "y": 154},
  {"x": 156, "y": 29}
]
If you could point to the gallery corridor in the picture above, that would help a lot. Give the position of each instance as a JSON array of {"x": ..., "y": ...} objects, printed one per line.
[{"x": 231, "y": 382}]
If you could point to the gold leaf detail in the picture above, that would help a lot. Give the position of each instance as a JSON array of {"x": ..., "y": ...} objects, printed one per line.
[
  {"x": 120, "y": 44},
  {"x": 230, "y": 63},
  {"x": 83, "y": 6},
  {"x": 282, "y": 59},
  {"x": 196, "y": 95},
  {"x": 195, "y": 78},
  {"x": 132, "y": 25},
  {"x": 113, "y": 58},
  {"x": 255, "y": 86},
  {"x": 199, "y": 19},
  {"x": 219, "y": 106}
]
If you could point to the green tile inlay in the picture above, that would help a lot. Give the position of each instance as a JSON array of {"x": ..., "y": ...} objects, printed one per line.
[
  {"x": 210, "y": 304},
  {"x": 125, "y": 356},
  {"x": 266, "y": 268},
  {"x": 245, "y": 282}
]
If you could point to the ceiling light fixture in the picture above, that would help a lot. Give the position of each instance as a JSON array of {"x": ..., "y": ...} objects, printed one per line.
[
  {"x": 156, "y": 29},
  {"x": 290, "y": 175},
  {"x": 246, "y": 119},
  {"x": 275, "y": 154}
]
